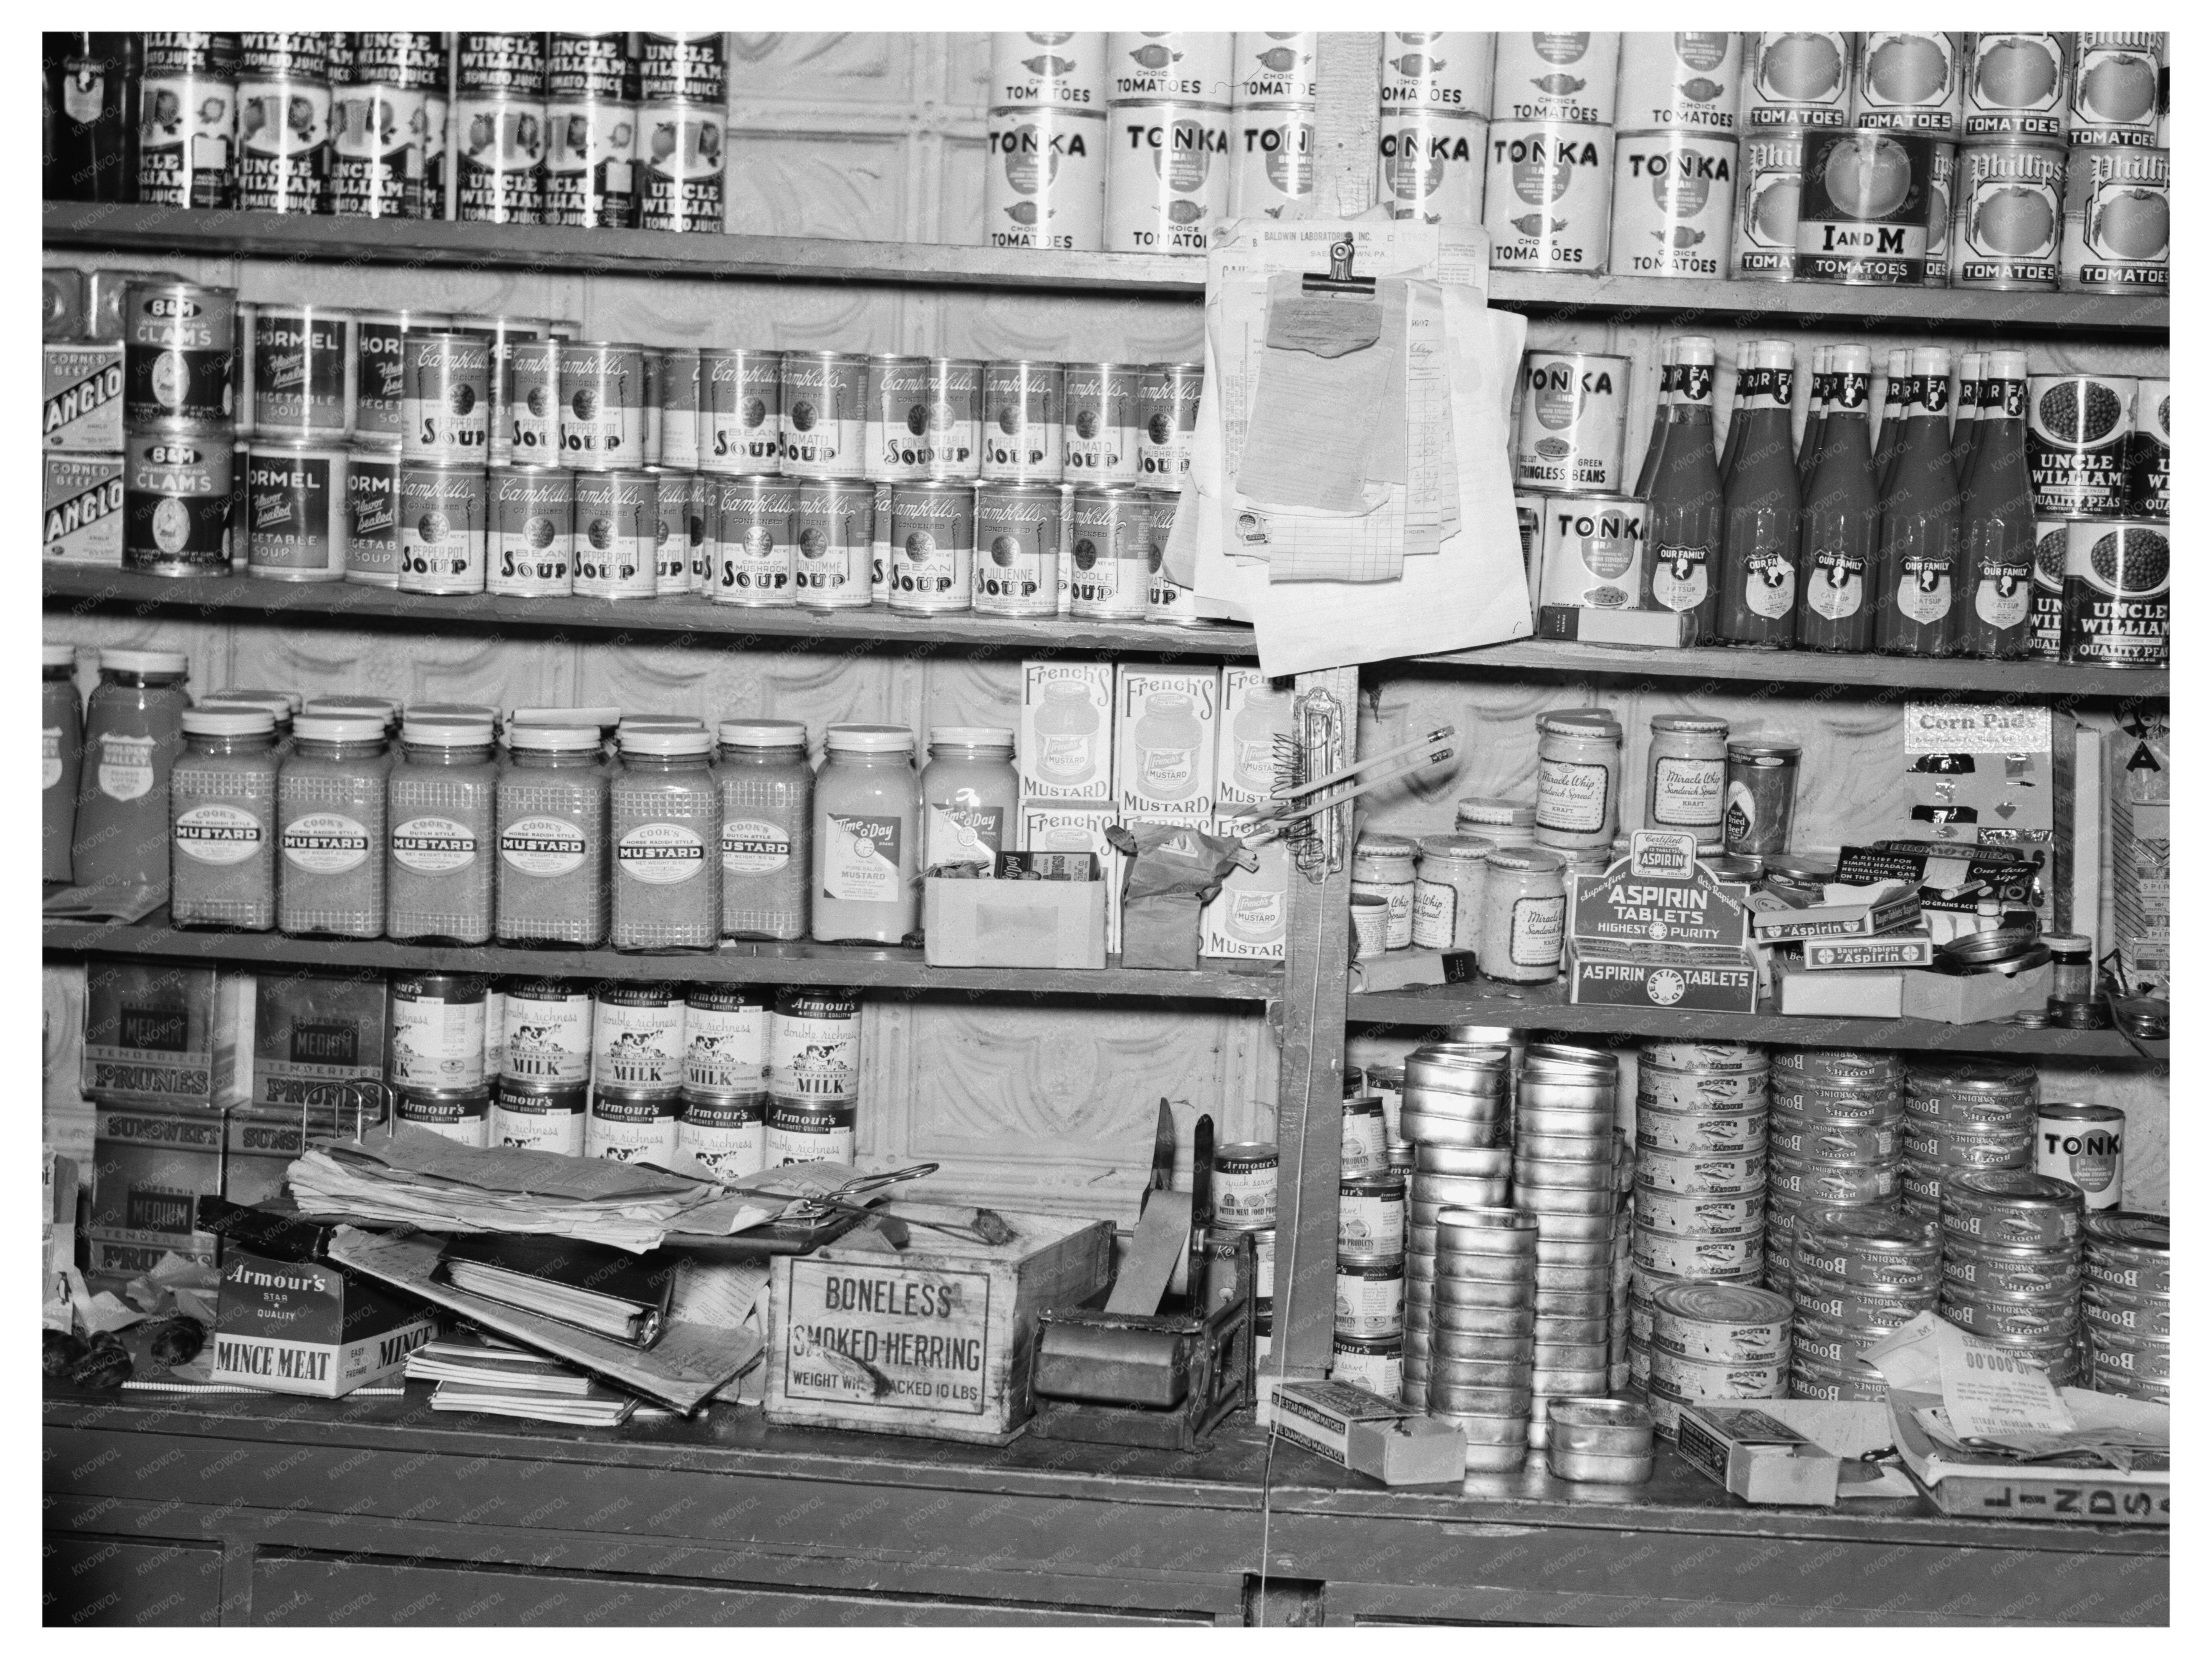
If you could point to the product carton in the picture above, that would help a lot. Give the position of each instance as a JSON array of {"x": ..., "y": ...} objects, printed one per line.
[
  {"x": 312, "y": 1034},
  {"x": 1970, "y": 998},
  {"x": 1048, "y": 826},
  {"x": 988, "y": 923},
  {"x": 150, "y": 1033},
  {"x": 1978, "y": 773},
  {"x": 1063, "y": 747},
  {"x": 81, "y": 510},
  {"x": 151, "y": 1166},
  {"x": 82, "y": 409},
  {"x": 1382, "y": 1439},
  {"x": 1255, "y": 712},
  {"x": 288, "y": 1321},
  {"x": 2138, "y": 785},
  {"x": 1249, "y": 916},
  {"x": 1855, "y": 994},
  {"x": 1758, "y": 1459},
  {"x": 1165, "y": 722}
]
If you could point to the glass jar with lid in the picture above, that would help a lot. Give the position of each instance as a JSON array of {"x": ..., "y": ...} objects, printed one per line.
[
  {"x": 969, "y": 795},
  {"x": 768, "y": 827},
  {"x": 867, "y": 810},
  {"x": 1688, "y": 776},
  {"x": 61, "y": 762},
  {"x": 664, "y": 822},
  {"x": 282, "y": 706},
  {"x": 442, "y": 794},
  {"x": 1502, "y": 823},
  {"x": 1577, "y": 779},
  {"x": 1524, "y": 914},
  {"x": 133, "y": 733},
  {"x": 330, "y": 813},
  {"x": 222, "y": 813},
  {"x": 1382, "y": 868},
  {"x": 385, "y": 709},
  {"x": 550, "y": 884},
  {"x": 1448, "y": 892}
]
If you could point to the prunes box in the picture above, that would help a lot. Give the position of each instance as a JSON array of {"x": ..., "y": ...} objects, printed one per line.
[
  {"x": 313, "y": 1033},
  {"x": 151, "y": 1166}
]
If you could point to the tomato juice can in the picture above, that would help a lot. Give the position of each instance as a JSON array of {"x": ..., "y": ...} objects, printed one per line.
[
  {"x": 295, "y": 517},
  {"x": 681, "y": 162},
  {"x": 501, "y": 136},
  {"x": 443, "y": 513},
  {"x": 380, "y": 140},
  {"x": 1547, "y": 196},
  {"x": 283, "y": 135},
  {"x": 530, "y": 532},
  {"x": 188, "y": 126},
  {"x": 740, "y": 405},
  {"x": 590, "y": 159}
]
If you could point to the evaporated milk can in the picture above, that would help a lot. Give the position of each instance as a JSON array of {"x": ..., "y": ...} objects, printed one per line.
[
  {"x": 814, "y": 1044},
  {"x": 1909, "y": 81},
  {"x": 832, "y": 570},
  {"x": 1562, "y": 78},
  {"x": 1022, "y": 404},
  {"x": 1167, "y": 179},
  {"x": 177, "y": 496},
  {"x": 1681, "y": 79},
  {"x": 1045, "y": 183},
  {"x": 188, "y": 120},
  {"x": 1446, "y": 70},
  {"x": 1547, "y": 196},
  {"x": 1771, "y": 166},
  {"x": 2014, "y": 86},
  {"x": 1167, "y": 420},
  {"x": 1272, "y": 161},
  {"x": 1099, "y": 432},
  {"x": 499, "y": 127},
  {"x": 1798, "y": 78},
  {"x": 2118, "y": 229},
  {"x": 1674, "y": 203},
  {"x": 284, "y": 121},
  {"x": 933, "y": 547},
  {"x": 1572, "y": 430},
  {"x": 740, "y": 405},
  {"x": 1017, "y": 568},
  {"x": 1430, "y": 166},
  {"x": 530, "y": 535},
  {"x": 824, "y": 414},
  {"x": 372, "y": 517}
]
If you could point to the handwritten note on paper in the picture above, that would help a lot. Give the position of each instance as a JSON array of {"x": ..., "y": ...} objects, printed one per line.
[{"x": 1314, "y": 418}]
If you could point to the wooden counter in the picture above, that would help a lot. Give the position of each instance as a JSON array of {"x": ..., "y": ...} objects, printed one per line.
[{"x": 262, "y": 1510}]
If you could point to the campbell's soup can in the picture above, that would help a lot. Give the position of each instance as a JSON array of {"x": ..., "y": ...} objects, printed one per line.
[
  {"x": 502, "y": 139},
  {"x": 756, "y": 530},
  {"x": 2117, "y": 230},
  {"x": 879, "y": 547},
  {"x": 1271, "y": 161},
  {"x": 1865, "y": 211},
  {"x": 1167, "y": 420},
  {"x": 299, "y": 372},
  {"x": 1446, "y": 70},
  {"x": 1909, "y": 81},
  {"x": 1179, "y": 65},
  {"x": 1561, "y": 78},
  {"x": 2114, "y": 90},
  {"x": 380, "y": 370},
  {"x": 933, "y": 547},
  {"x": 679, "y": 537},
  {"x": 591, "y": 161},
  {"x": 689, "y": 64},
  {"x": 444, "y": 510},
  {"x": 1045, "y": 183},
  {"x": 530, "y": 531},
  {"x": 177, "y": 493},
  {"x": 179, "y": 343},
  {"x": 740, "y": 405},
  {"x": 1798, "y": 78},
  {"x": 617, "y": 535},
  {"x": 283, "y": 136},
  {"x": 1061, "y": 69},
  {"x": 380, "y": 140},
  {"x": 1167, "y": 179},
  {"x": 2118, "y": 596},
  {"x": 1770, "y": 168},
  {"x": 1166, "y": 601},
  {"x": 188, "y": 120},
  {"x": 295, "y": 510},
  {"x": 1680, "y": 79},
  {"x": 1594, "y": 552},
  {"x": 1109, "y": 552},
  {"x": 2006, "y": 216},
  {"x": 2081, "y": 432},
  {"x": 372, "y": 517},
  {"x": 446, "y": 398},
  {"x": 1547, "y": 200},
  {"x": 602, "y": 405},
  {"x": 1673, "y": 204},
  {"x": 831, "y": 568},
  {"x": 681, "y": 162},
  {"x": 1573, "y": 424},
  {"x": 1017, "y": 566},
  {"x": 672, "y": 405},
  {"x": 2150, "y": 457},
  {"x": 531, "y": 406},
  {"x": 1022, "y": 404},
  {"x": 1430, "y": 166},
  {"x": 1098, "y": 422},
  {"x": 925, "y": 418},
  {"x": 825, "y": 414},
  {"x": 2014, "y": 86}
]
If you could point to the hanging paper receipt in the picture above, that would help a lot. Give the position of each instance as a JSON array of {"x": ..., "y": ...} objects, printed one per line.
[{"x": 1986, "y": 1391}]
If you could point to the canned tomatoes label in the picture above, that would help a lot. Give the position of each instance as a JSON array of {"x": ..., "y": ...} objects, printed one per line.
[
  {"x": 2015, "y": 86},
  {"x": 1174, "y": 64},
  {"x": 501, "y": 140},
  {"x": 1441, "y": 70},
  {"x": 1908, "y": 81},
  {"x": 2005, "y": 216},
  {"x": 177, "y": 503},
  {"x": 1573, "y": 422},
  {"x": 1770, "y": 169},
  {"x": 533, "y": 404},
  {"x": 1017, "y": 549},
  {"x": 531, "y": 532},
  {"x": 617, "y": 535},
  {"x": 1272, "y": 161},
  {"x": 2117, "y": 227},
  {"x": 1022, "y": 405},
  {"x": 602, "y": 406},
  {"x": 1099, "y": 423},
  {"x": 681, "y": 162},
  {"x": 1562, "y": 77},
  {"x": 814, "y": 1044},
  {"x": 299, "y": 368},
  {"x": 824, "y": 414},
  {"x": 1674, "y": 201},
  {"x": 1594, "y": 552},
  {"x": 1864, "y": 213},
  {"x": 445, "y": 401},
  {"x": 591, "y": 161},
  {"x": 1680, "y": 80},
  {"x": 1545, "y": 196},
  {"x": 1431, "y": 166},
  {"x": 295, "y": 513},
  {"x": 1167, "y": 183},
  {"x": 2118, "y": 607},
  {"x": 933, "y": 547},
  {"x": 1057, "y": 67},
  {"x": 1167, "y": 420},
  {"x": 2080, "y": 431},
  {"x": 1109, "y": 545},
  {"x": 755, "y": 529},
  {"x": 740, "y": 396},
  {"x": 283, "y": 143},
  {"x": 925, "y": 418},
  {"x": 1798, "y": 78},
  {"x": 1045, "y": 182},
  {"x": 442, "y": 518},
  {"x": 2114, "y": 86}
]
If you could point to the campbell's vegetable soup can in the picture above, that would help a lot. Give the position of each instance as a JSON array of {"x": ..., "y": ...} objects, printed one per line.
[
  {"x": 2006, "y": 216},
  {"x": 1909, "y": 81},
  {"x": 1865, "y": 210},
  {"x": 2114, "y": 89},
  {"x": 1167, "y": 179},
  {"x": 1189, "y": 66},
  {"x": 2118, "y": 599},
  {"x": 295, "y": 507},
  {"x": 1594, "y": 552},
  {"x": 1680, "y": 79},
  {"x": 1448, "y": 71},
  {"x": 1044, "y": 185},
  {"x": 530, "y": 531},
  {"x": 1547, "y": 196},
  {"x": 925, "y": 418},
  {"x": 1798, "y": 78},
  {"x": 1562, "y": 77},
  {"x": 1021, "y": 404},
  {"x": 1770, "y": 171},
  {"x": 177, "y": 498},
  {"x": 1055, "y": 68},
  {"x": 1572, "y": 429},
  {"x": 1431, "y": 166},
  {"x": 443, "y": 514},
  {"x": 2080, "y": 431},
  {"x": 1099, "y": 430},
  {"x": 179, "y": 340},
  {"x": 1271, "y": 160},
  {"x": 2119, "y": 219},
  {"x": 2015, "y": 86},
  {"x": 1673, "y": 204}
]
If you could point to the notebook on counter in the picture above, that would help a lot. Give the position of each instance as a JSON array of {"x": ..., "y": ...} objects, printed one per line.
[{"x": 594, "y": 1287}]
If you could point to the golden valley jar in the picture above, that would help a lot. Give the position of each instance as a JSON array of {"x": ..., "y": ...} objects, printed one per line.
[
  {"x": 768, "y": 813},
  {"x": 665, "y": 819},
  {"x": 1524, "y": 914},
  {"x": 222, "y": 809},
  {"x": 1577, "y": 779},
  {"x": 1687, "y": 775},
  {"x": 1383, "y": 867},
  {"x": 868, "y": 808},
  {"x": 438, "y": 878},
  {"x": 1448, "y": 892},
  {"x": 331, "y": 813},
  {"x": 551, "y": 882}
]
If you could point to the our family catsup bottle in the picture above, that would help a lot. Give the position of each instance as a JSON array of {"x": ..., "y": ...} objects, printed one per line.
[
  {"x": 1914, "y": 611},
  {"x": 1662, "y": 417},
  {"x": 1760, "y": 505},
  {"x": 1996, "y": 525},
  {"x": 1683, "y": 519},
  {"x": 1843, "y": 516},
  {"x": 1816, "y": 411}
]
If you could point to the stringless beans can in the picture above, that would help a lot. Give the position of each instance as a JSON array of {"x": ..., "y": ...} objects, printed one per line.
[{"x": 1572, "y": 429}]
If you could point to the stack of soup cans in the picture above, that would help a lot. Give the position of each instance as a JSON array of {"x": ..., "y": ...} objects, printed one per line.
[
  {"x": 1963, "y": 1114},
  {"x": 299, "y": 366},
  {"x": 2101, "y": 466},
  {"x": 1860, "y": 1272},
  {"x": 1434, "y": 134},
  {"x": 1453, "y": 1113},
  {"x": 179, "y": 391},
  {"x": 1548, "y": 184},
  {"x": 2127, "y": 1309},
  {"x": 2016, "y": 1239},
  {"x": 1833, "y": 1124},
  {"x": 1168, "y": 165},
  {"x": 1570, "y": 1170}
]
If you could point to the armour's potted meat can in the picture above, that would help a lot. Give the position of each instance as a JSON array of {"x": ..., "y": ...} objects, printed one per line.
[
  {"x": 1680, "y": 79},
  {"x": 1547, "y": 195},
  {"x": 1045, "y": 182},
  {"x": 1673, "y": 204}
]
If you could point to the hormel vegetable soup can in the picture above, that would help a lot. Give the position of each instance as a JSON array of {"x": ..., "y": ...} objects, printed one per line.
[
  {"x": 178, "y": 342},
  {"x": 1573, "y": 423},
  {"x": 740, "y": 401},
  {"x": 1908, "y": 81},
  {"x": 1674, "y": 201},
  {"x": 299, "y": 374},
  {"x": 295, "y": 511},
  {"x": 2114, "y": 86},
  {"x": 372, "y": 522},
  {"x": 2005, "y": 216},
  {"x": 824, "y": 414},
  {"x": 1167, "y": 184},
  {"x": 1431, "y": 166},
  {"x": 1186, "y": 66},
  {"x": 1061, "y": 69},
  {"x": 1045, "y": 183},
  {"x": 1098, "y": 430},
  {"x": 380, "y": 370},
  {"x": 933, "y": 547},
  {"x": 1680, "y": 80},
  {"x": 1018, "y": 549},
  {"x": 1798, "y": 78},
  {"x": 1547, "y": 197},
  {"x": 176, "y": 502},
  {"x": 1272, "y": 161},
  {"x": 1594, "y": 552},
  {"x": 1770, "y": 168},
  {"x": 925, "y": 418},
  {"x": 2118, "y": 221},
  {"x": 837, "y": 525},
  {"x": 1564, "y": 78},
  {"x": 1864, "y": 209},
  {"x": 2014, "y": 86},
  {"x": 1446, "y": 70}
]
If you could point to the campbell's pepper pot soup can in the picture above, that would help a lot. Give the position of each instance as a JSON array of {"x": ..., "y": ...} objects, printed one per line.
[
  {"x": 1673, "y": 204},
  {"x": 1770, "y": 172},
  {"x": 1547, "y": 197},
  {"x": 1166, "y": 180},
  {"x": 1045, "y": 183},
  {"x": 1798, "y": 78},
  {"x": 1864, "y": 209},
  {"x": 1564, "y": 78}
]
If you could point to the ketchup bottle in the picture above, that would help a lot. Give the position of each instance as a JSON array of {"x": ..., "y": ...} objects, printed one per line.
[
  {"x": 1916, "y": 594},
  {"x": 1682, "y": 520},
  {"x": 1843, "y": 516},
  {"x": 1760, "y": 505},
  {"x": 1892, "y": 416},
  {"x": 1996, "y": 525},
  {"x": 1661, "y": 418},
  {"x": 1816, "y": 411}
]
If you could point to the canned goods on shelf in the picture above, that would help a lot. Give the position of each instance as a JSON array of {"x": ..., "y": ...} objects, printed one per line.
[
  {"x": 1673, "y": 204},
  {"x": 1572, "y": 431},
  {"x": 300, "y": 370},
  {"x": 740, "y": 405},
  {"x": 2015, "y": 86},
  {"x": 1770, "y": 175},
  {"x": 933, "y": 547},
  {"x": 824, "y": 396},
  {"x": 1431, "y": 165},
  {"x": 530, "y": 531},
  {"x": 1167, "y": 178},
  {"x": 1909, "y": 81},
  {"x": 295, "y": 523},
  {"x": 617, "y": 532},
  {"x": 1561, "y": 77},
  {"x": 836, "y": 519},
  {"x": 1547, "y": 196},
  {"x": 1271, "y": 160},
  {"x": 925, "y": 418}
]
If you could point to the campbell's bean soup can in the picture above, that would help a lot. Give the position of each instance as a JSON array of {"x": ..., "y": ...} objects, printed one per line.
[
  {"x": 740, "y": 411},
  {"x": 933, "y": 547},
  {"x": 530, "y": 531}
]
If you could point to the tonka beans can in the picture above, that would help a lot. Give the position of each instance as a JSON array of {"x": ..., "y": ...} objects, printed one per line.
[
  {"x": 2150, "y": 457},
  {"x": 602, "y": 405},
  {"x": 933, "y": 548},
  {"x": 295, "y": 498},
  {"x": 1563, "y": 77},
  {"x": 1680, "y": 80},
  {"x": 2118, "y": 601},
  {"x": 1448, "y": 71},
  {"x": 1798, "y": 78},
  {"x": 740, "y": 401},
  {"x": 1371, "y": 1294},
  {"x": 2081, "y": 432},
  {"x": 372, "y": 517},
  {"x": 1044, "y": 185},
  {"x": 532, "y": 405},
  {"x": 1167, "y": 421},
  {"x": 1547, "y": 196},
  {"x": 1864, "y": 211},
  {"x": 1167, "y": 178},
  {"x": 1909, "y": 81},
  {"x": 2114, "y": 88},
  {"x": 1594, "y": 552},
  {"x": 831, "y": 570},
  {"x": 2014, "y": 86},
  {"x": 530, "y": 531},
  {"x": 1431, "y": 165},
  {"x": 1098, "y": 423},
  {"x": 1674, "y": 203},
  {"x": 443, "y": 514},
  {"x": 2118, "y": 231},
  {"x": 1021, "y": 404},
  {"x": 809, "y": 1132},
  {"x": 462, "y": 1114},
  {"x": 537, "y": 1116},
  {"x": 1018, "y": 549},
  {"x": 299, "y": 368},
  {"x": 632, "y": 1126},
  {"x": 1061, "y": 68},
  {"x": 824, "y": 395},
  {"x": 814, "y": 1045},
  {"x": 681, "y": 162},
  {"x": 2005, "y": 216},
  {"x": 724, "y": 1134},
  {"x": 1271, "y": 169},
  {"x": 177, "y": 490},
  {"x": 179, "y": 340},
  {"x": 925, "y": 418},
  {"x": 1179, "y": 65},
  {"x": 617, "y": 535},
  {"x": 446, "y": 398},
  {"x": 1770, "y": 172},
  {"x": 755, "y": 530},
  {"x": 1109, "y": 551}
]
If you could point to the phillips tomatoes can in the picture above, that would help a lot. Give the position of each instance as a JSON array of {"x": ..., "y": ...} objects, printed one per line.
[
  {"x": 1909, "y": 80},
  {"x": 443, "y": 512},
  {"x": 1680, "y": 79},
  {"x": 1045, "y": 183},
  {"x": 1674, "y": 203},
  {"x": 933, "y": 547},
  {"x": 179, "y": 343},
  {"x": 1022, "y": 406},
  {"x": 2118, "y": 229},
  {"x": 1566, "y": 78},
  {"x": 1798, "y": 78},
  {"x": 1770, "y": 169},
  {"x": 531, "y": 533},
  {"x": 740, "y": 405},
  {"x": 618, "y": 533},
  {"x": 1271, "y": 170},
  {"x": 1572, "y": 429},
  {"x": 824, "y": 414},
  {"x": 1167, "y": 421},
  {"x": 1017, "y": 568},
  {"x": 177, "y": 494},
  {"x": 1547, "y": 196},
  {"x": 1431, "y": 165},
  {"x": 836, "y": 526},
  {"x": 756, "y": 529},
  {"x": 1167, "y": 177},
  {"x": 2114, "y": 86},
  {"x": 2005, "y": 216},
  {"x": 1098, "y": 424},
  {"x": 602, "y": 405},
  {"x": 295, "y": 510},
  {"x": 2014, "y": 86},
  {"x": 372, "y": 517}
]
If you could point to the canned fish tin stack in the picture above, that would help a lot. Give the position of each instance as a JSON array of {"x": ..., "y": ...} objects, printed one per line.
[
  {"x": 188, "y": 132},
  {"x": 1963, "y": 1114},
  {"x": 1715, "y": 1342},
  {"x": 179, "y": 345},
  {"x": 1571, "y": 432},
  {"x": 2127, "y": 1309},
  {"x": 1835, "y": 1127},
  {"x": 681, "y": 157},
  {"x": 499, "y": 127},
  {"x": 1858, "y": 1275},
  {"x": 1435, "y": 132},
  {"x": 1271, "y": 137},
  {"x": 1483, "y": 1358},
  {"x": 387, "y": 117},
  {"x": 2012, "y": 1252},
  {"x": 1599, "y": 1442},
  {"x": 591, "y": 121},
  {"x": 1570, "y": 1171},
  {"x": 1452, "y": 1111}
]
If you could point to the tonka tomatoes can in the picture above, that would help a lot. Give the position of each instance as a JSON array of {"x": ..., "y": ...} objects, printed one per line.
[
  {"x": 1186, "y": 66},
  {"x": 1108, "y": 549},
  {"x": 179, "y": 340},
  {"x": 1547, "y": 197},
  {"x": 299, "y": 374},
  {"x": 446, "y": 398},
  {"x": 380, "y": 370},
  {"x": 1594, "y": 552},
  {"x": 1865, "y": 210},
  {"x": 177, "y": 503},
  {"x": 1167, "y": 420},
  {"x": 443, "y": 513},
  {"x": 1045, "y": 183},
  {"x": 1022, "y": 404},
  {"x": 2114, "y": 86},
  {"x": 295, "y": 511},
  {"x": 933, "y": 548},
  {"x": 755, "y": 532},
  {"x": 740, "y": 401},
  {"x": 1048, "y": 68},
  {"x": 1674, "y": 203},
  {"x": 824, "y": 414},
  {"x": 1430, "y": 166},
  {"x": 1017, "y": 566},
  {"x": 1167, "y": 177},
  {"x": 1561, "y": 78},
  {"x": 2118, "y": 597},
  {"x": 188, "y": 138},
  {"x": 1098, "y": 423},
  {"x": 530, "y": 531},
  {"x": 925, "y": 418},
  {"x": 2005, "y": 216},
  {"x": 372, "y": 518},
  {"x": 2014, "y": 86},
  {"x": 602, "y": 405},
  {"x": 1908, "y": 81},
  {"x": 2081, "y": 429},
  {"x": 1271, "y": 161},
  {"x": 531, "y": 408},
  {"x": 1275, "y": 67},
  {"x": 590, "y": 159},
  {"x": 681, "y": 162},
  {"x": 1572, "y": 429},
  {"x": 1446, "y": 70},
  {"x": 1680, "y": 80},
  {"x": 2118, "y": 229},
  {"x": 837, "y": 520},
  {"x": 1798, "y": 78}
]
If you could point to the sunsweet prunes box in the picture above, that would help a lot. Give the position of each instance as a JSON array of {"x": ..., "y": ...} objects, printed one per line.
[
  {"x": 1248, "y": 917},
  {"x": 82, "y": 406},
  {"x": 1063, "y": 747},
  {"x": 1255, "y": 712},
  {"x": 150, "y": 1033},
  {"x": 309, "y": 1327},
  {"x": 1165, "y": 722},
  {"x": 81, "y": 510},
  {"x": 151, "y": 1166}
]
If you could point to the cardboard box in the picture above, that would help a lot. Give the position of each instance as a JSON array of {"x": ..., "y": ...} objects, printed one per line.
[
  {"x": 1166, "y": 725},
  {"x": 315, "y": 1033},
  {"x": 1063, "y": 744},
  {"x": 151, "y": 1166},
  {"x": 1853, "y": 919},
  {"x": 1249, "y": 917},
  {"x": 1978, "y": 773},
  {"x": 1254, "y": 712},
  {"x": 2139, "y": 787},
  {"x": 1970, "y": 998},
  {"x": 258, "y": 1145},
  {"x": 988, "y": 923},
  {"x": 1663, "y": 976},
  {"x": 81, "y": 510},
  {"x": 1891, "y": 950},
  {"x": 309, "y": 1327},
  {"x": 1862, "y": 994},
  {"x": 83, "y": 403},
  {"x": 1650, "y": 628},
  {"x": 1079, "y": 827},
  {"x": 150, "y": 1033},
  {"x": 933, "y": 1340},
  {"x": 1382, "y": 1439},
  {"x": 1757, "y": 1458}
]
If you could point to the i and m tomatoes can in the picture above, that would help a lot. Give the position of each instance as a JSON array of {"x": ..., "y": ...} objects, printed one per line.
[
  {"x": 1865, "y": 211},
  {"x": 177, "y": 498}
]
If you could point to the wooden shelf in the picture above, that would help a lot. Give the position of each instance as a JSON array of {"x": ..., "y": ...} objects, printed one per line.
[
  {"x": 338, "y": 603},
  {"x": 414, "y": 242},
  {"x": 1544, "y": 1007},
  {"x": 877, "y": 971}
]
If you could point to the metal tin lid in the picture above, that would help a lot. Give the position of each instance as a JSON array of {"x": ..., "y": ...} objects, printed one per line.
[
  {"x": 1886, "y": 1231},
  {"x": 2009, "y": 1189},
  {"x": 971, "y": 737},
  {"x": 762, "y": 734},
  {"x": 385, "y": 709},
  {"x": 1253, "y": 1152},
  {"x": 869, "y": 739},
  {"x": 1763, "y": 748},
  {"x": 228, "y": 720},
  {"x": 1705, "y": 1303},
  {"x": 281, "y": 704},
  {"x": 664, "y": 741},
  {"x": 1580, "y": 723},
  {"x": 2114, "y": 1231},
  {"x": 1970, "y": 1076},
  {"x": 1524, "y": 859},
  {"x": 1486, "y": 1218},
  {"x": 143, "y": 662},
  {"x": 444, "y": 732},
  {"x": 2069, "y": 944},
  {"x": 1505, "y": 814},
  {"x": 1689, "y": 724},
  {"x": 340, "y": 728},
  {"x": 557, "y": 739},
  {"x": 57, "y": 656},
  {"x": 1376, "y": 844},
  {"x": 1465, "y": 849}
]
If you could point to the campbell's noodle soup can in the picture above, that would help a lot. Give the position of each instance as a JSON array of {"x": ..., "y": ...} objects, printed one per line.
[
  {"x": 1167, "y": 601},
  {"x": 1562, "y": 78},
  {"x": 1167, "y": 182},
  {"x": 179, "y": 340},
  {"x": 1547, "y": 199},
  {"x": 1673, "y": 204},
  {"x": 380, "y": 370},
  {"x": 1022, "y": 405},
  {"x": 1446, "y": 70},
  {"x": 1572, "y": 429},
  {"x": 530, "y": 403},
  {"x": 681, "y": 161},
  {"x": 1271, "y": 162},
  {"x": 740, "y": 405},
  {"x": 1045, "y": 183},
  {"x": 756, "y": 531},
  {"x": 1275, "y": 67},
  {"x": 831, "y": 569},
  {"x": 2006, "y": 216},
  {"x": 176, "y": 502},
  {"x": 933, "y": 547},
  {"x": 632, "y": 1126},
  {"x": 443, "y": 513},
  {"x": 1018, "y": 550},
  {"x": 1179, "y": 65},
  {"x": 299, "y": 372},
  {"x": 925, "y": 418},
  {"x": 372, "y": 518},
  {"x": 1167, "y": 420},
  {"x": 188, "y": 126},
  {"x": 2014, "y": 87},
  {"x": 1098, "y": 422},
  {"x": 1594, "y": 552},
  {"x": 602, "y": 405},
  {"x": 2118, "y": 599},
  {"x": 1431, "y": 166},
  {"x": 1798, "y": 78},
  {"x": 2116, "y": 238},
  {"x": 1680, "y": 80},
  {"x": 1058, "y": 67},
  {"x": 2080, "y": 432},
  {"x": 825, "y": 414},
  {"x": 617, "y": 535},
  {"x": 1770, "y": 170},
  {"x": 530, "y": 532},
  {"x": 446, "y": 398},
  {"x": 2114, "y": 91},
  {"x": 1909, "y": 81},
  {"x": 1109, "y": 552},
  {"x": 295, "y": 510},
  {"x": 1864, "y": 214}
]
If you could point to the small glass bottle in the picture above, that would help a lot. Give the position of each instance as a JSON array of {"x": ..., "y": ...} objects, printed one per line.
[
  {"x": 442, "y": 793},
  {"x": 768, "y": 828},
  {"x": 1688, "y": 776},
  {"x": 133, "y": 733},
  {"x": 550, "y": 887},
  {"x": 1525, "y": 916},
  {"x": 1448, "y": 892},
  {"x": 223, "y": 813},
  {"x": 665, "y": 819},
  {"x": 1382, "y": 868},
  {"x": 1577, "y": 779},
  {"x": 969, "y": 795},
  {"x": 867, "y": 810},
  {"x": 331, "y": 811},
  {"x": 61, "y": 763}
]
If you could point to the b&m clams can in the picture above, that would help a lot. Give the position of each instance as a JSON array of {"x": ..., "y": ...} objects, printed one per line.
[
  {"x": 1674, "y": 203},
  {"x": 1865, "y": 208},
  {"x": 1547, "y": 196},
  {"x": 177, "y": 494},
  {"x": 1572, "y": 430},
  {"x": 179, "y": 344}
]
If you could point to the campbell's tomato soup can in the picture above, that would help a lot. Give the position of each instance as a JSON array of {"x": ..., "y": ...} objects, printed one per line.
[
  {"x": 1165, "y": 600},
  {"x": 179, "y": 343},
  {"x": 602, "y": 405},
  {"x": 1770, "y": 170},
  {"x": 188, "y": 122},
  {"x": 681, "y": 162},
  {"x": 2080, "y": 431},
  {"x": 1594, "y": 552},
  {"x": 933, "y": 548},
  {"x": 2119, "y": 603},
  {"x": 1183, "y": 65},
  {"x": 832, "y": 569},
  {"x": 295, "y": 523},
  {"x": 1565, "y": 78},
  {"x": 2114, "y": 88},
  {"x": 301, "y": 364},
  {"x": 1272, "y": 161},
  {"x": 1865, "y": 210},
  {"x": 1017, "y": 570},
  {"x": 1044, "y": 185},
  {"x": 1109, "y": 552},
  {"x": 1548, "y": 198},
  {"x": 531, "y": 533},
  {"x": 925, "y": 418},
  {"x": 1022, "y": 404},
  {"x": 824, "y": 414},
  {"x": 176, "y": 492},
  {"x": 1680, "y": 79},
  {"x": 443, "y": 513},
  {"x": 1167, "y": 420},
  {"x": 1573, "y": 422},
  {"x": 2117, "y": 230},
  {"x": 372, "y": 517},
  {"x": 1167, "y": 178},
  {"x": 379, "y": 370},
  {"x": 1909, "y": 81},
  {"x": 1445, "y": 70},
  {"x": 1798, "y": 78},
  {"x": 756, "y": 530},
  {"x": 445, "y": 400},
  {"x": 740, "y": 405},
  {"x": 1061, "y": 69},
  {"x": 1673, "y": 204},
  {"x": 532, "y": 403},
  {"x": 2006, "y": 216},
  {"x": 617, "y": 535},
  {"x": 1098, "y": 422},
  {"x": 2015, "y": 86},
  {"x": 1430, "y": 166}
]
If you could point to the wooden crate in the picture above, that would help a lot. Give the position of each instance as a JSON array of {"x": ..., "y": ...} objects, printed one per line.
[{"x": 930, "y": 1340}]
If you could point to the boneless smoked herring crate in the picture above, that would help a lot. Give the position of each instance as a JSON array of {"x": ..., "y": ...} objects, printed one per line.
[{"x": 933, "y": 1339}]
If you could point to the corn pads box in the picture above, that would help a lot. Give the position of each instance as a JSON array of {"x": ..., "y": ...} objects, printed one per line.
[
  {"x": 1064, "y": 746},
  {"x": 1249, "y": 918},
  {"x": 81, "y": 510},
  {"x": 1166, "y": 722},
  {"x": 1257, "y": 716}
]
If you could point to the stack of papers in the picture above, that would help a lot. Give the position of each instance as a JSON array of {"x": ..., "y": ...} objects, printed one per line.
[{"x": 482, "y": 1373}]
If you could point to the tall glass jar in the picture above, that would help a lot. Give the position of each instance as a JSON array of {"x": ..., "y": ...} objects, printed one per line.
[
  {"x": 1687, "y": 775},
  {"x": 1524, "y": 914},
  {"x": 768, "y": 828},
  {"x": 665, "y": 818},
  {"x": 442, "y": 793},
  {"x": 223, "y": 813},
  {"x": 330, "y": 813},
  {"x": 551, "y": 882},
  {"x": 868, "y": 808},
  {"x": 133, "y": 733},
  {"x": 61, "y": 762},
  {"x": 282, "y": 706},
  {"x": 1383, "y": 867},
  {"x": 969, "y": 796},
  {"x": 1577, "y": 779}
]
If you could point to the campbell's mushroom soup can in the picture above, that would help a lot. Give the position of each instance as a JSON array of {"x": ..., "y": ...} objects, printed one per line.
[
  {"x": 1909, "y": 80},
  {"x": 1547, "y": 197},
  {"x": 1272, "y": 161},
  {"x": 1680, "y": 79},
  {"x": 1572, "y": 429},
  {"x": 1045, "y": 183},
  {"x": 2116, "y": 237},
  {"x": 831, "y": 569},
  {"x": 1186, "y": 65},
  {"x": 1059, "y": 68},
  {"x": 1770, "y": 170},
  {"x": 1167, "y": 182},
  {"x": 1594, "y": 552},
  {"x": 1431, "y": 166},
  {"x": 2015, "y": 86},
  {"x": 1673, "y": 204},
  {"x": 1798, "y": 78},
  {"x": 1565, "y": 77},
  {"x": 2005, "y": 216}
]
